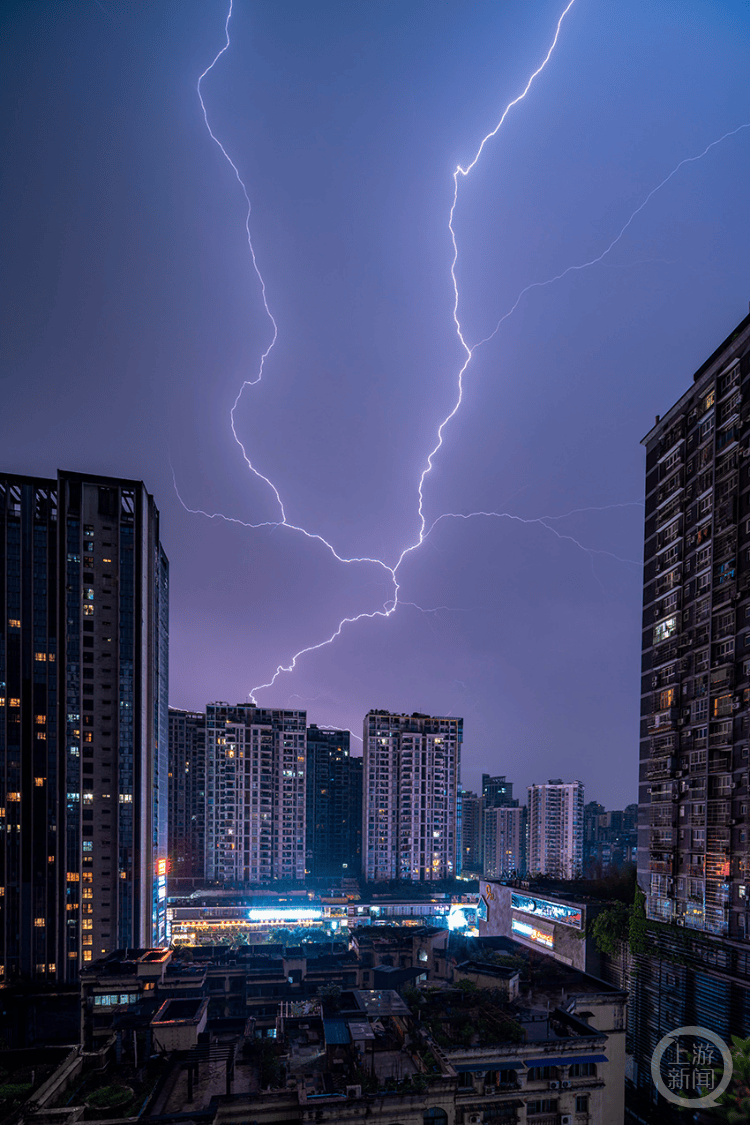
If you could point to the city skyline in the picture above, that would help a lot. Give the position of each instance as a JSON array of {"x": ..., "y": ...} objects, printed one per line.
[{"x": 135, "y": 321}]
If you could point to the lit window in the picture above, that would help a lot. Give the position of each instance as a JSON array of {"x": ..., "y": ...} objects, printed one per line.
[
  {"x": 39, "y": 923},
  {"x": 665, "y": 629},
  {"x": 15, "y": 703},
  {"x": 40, "y": 656},
  {"x": 88, "y": 611},
  {"x": 73, "y": 876},
  {"x": 14, "y": 623},
  {"x": 14, "y": 796},
  {"x": 40, "y": 719},
  {"x": 87, "y": 923},
  {"x": 87, "y": 955},
  {"x": 39, "y": 782}
]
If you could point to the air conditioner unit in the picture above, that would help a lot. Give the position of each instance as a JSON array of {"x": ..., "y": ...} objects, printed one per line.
[
  {"x": 478, "y": 1073},
  {"x": 354, "y": 1091},
  {"x": 566, "y": 1119},
  {"x": 565, "y": 1085},
  {"x": 475, "y": 1119},
  {"x": 554, "y": 1085}
]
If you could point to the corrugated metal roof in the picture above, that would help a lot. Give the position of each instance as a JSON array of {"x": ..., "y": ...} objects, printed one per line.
[{"x": 336, "y": 1032}]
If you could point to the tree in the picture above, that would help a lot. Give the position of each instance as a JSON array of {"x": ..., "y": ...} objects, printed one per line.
[
  {"x": 611, "y": 927},
  {"x": 637, "y": 929}
]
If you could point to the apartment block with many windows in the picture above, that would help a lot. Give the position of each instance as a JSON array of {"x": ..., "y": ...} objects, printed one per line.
[
  {"x": 187, "y": 794},
  {"x": 255, "y": 794},
  {"x": 84, "y": 599},
  {"x": 334, "y": 805},
  {"x": 555, "y": 812},
  {"x": 411, "y": 775},
  {"x": 693, "y": 826}
]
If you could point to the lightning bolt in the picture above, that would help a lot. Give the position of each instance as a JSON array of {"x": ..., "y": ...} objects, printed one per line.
[{"x": 460, "y": 173}]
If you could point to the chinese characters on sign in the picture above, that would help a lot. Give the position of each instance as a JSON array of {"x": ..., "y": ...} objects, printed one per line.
[{"x": 692, "y": 1067}]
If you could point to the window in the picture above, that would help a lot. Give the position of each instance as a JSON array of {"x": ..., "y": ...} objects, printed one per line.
[
  {"x": 722, "y": 706},
  {"x": 699, "y": 710},
  {"x": 534, "y": 1073},
  {"x": 665, "y": 629},
  {"x": 667, "y": 699},
  {"x": 706, "y": 428},
  {"x": 582, "y": 1103},
  {"x": 582, "y": 1070}
]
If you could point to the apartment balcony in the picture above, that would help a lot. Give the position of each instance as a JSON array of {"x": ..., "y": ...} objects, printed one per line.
[{"x": 664, "y": 720}]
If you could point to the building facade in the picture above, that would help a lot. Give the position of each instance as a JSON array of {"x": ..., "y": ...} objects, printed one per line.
[
  {"x": 255, "y": 794},
  {"x": 334, "y": 806},
  {"x": 497, "y": 791},
  {"x": 471, "y": 821},
  {"x": 693, "y": 843},
  {"x": 83, "y": 725},
  {"x": 187, "y": 795},
  {"x": 556, "y": 829},
  {"x": 505, "y": 842},
  {"x": 411, "y": 774}
]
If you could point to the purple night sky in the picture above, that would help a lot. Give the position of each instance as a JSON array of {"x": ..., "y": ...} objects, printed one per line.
[{"x": 133, "y": 316}]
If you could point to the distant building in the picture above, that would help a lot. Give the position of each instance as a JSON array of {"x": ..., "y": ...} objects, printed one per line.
[
  {"x": 609, "y": 839},
  {"x": 505, "y": 842},
  {"x": 497, "y": 791},
  {"x": 472, "y": 833},
  {"x": 187, "y": 794},
  {"x": 334, "y": 805},
  {"x": 255, "y": 794},
  {"x": 411, "y": 772},
  {"x": 556, "y": 829},
  {"x": 84, "y": 587}
]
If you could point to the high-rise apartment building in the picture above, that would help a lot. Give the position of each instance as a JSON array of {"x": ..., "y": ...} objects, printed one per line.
[
  {"x": 471, "y": 821},
  {"x": 497, "y": 791},
  {"x": 505, "y": 842},
  {"x": 556, "y": 829},
  {"x": 692, "y": 856},
  {"x": 84, "y": 599},
  {"x": 694, "y": 828},
  {"x": 334, "y": 806},
  {"x": 187, "y": 795},
  {"x": 255, "y": 794},
  {"x": 411, "y": 774}
]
